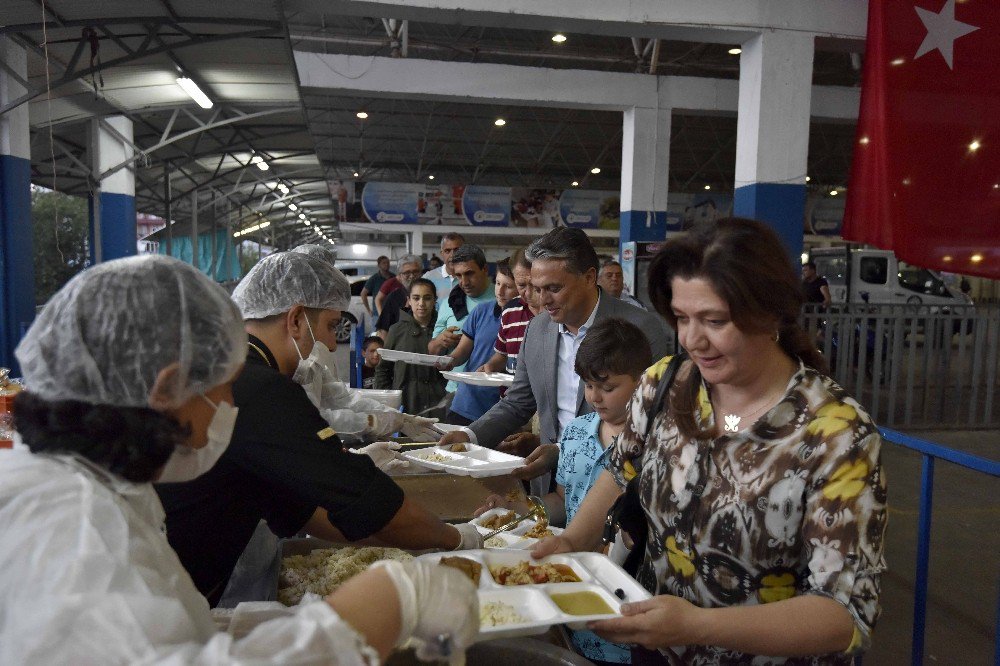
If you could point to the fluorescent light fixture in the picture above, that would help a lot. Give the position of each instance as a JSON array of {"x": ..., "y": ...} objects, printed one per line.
[
  {"x": 302, "y": 216},
  {"x": 976, "y": 258},
  {"x": 283, "y": 188},
  {"x": 330, "y": 241},
  {"x": 735, "y": 51},
  {"x": 804, "y": 257},
  {"x": 558, "y": 38},
  {"x": 595, "y": 170},
  {"x": 576, "y": 183},
  {"x": 192, "y": 89},
  {"x": 292, "y": 207},
  {"x": 430, "y": 177},
  {"x": 708, "y": 187},
  {"x": 306, "y": 222},
  {"x": 259, "y": 161},
  {"x": 833, "y": 193},
  {"x": 356, "y": 174},
  {"x": 499, "y": 122},
  {"x": 359, "y": 248},
  {"x": 361, "y": 114},
  {"x": 896, "y": 62}
]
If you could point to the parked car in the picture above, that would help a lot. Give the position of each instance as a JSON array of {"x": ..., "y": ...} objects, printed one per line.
[{"x": 355, "y": 315}]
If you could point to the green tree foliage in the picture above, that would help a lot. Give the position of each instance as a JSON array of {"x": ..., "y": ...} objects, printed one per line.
[{"x": 61, "y": 227}]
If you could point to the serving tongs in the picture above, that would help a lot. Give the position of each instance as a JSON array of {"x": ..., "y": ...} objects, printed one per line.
[{"x": 536, "y": 510}]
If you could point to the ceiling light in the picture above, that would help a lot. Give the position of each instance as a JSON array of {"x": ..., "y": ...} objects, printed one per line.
[
  {"x": 708, "y": 187},
  {"x": 430, "y": 177},
  {"x": 575, "y": 183},
  {"x": 976, "y": 258},
  {"x": 302, "y": 216},
  {"x": 735, "y": 51},
  {"x": 804, "y": 257},
  {"x": 283, "y": 188},
  {"x": 595, "y": 170},
  {"x": 863, "y": 141},
  {"x": 355, "y": 174},
  {"x": 946, "y": 257},
  {"x": 306, "y": 222},
  {"x": 362, "y": 114},
  {"x": 558, "y": 38},
  {"x": 359, "y": 248},
  {"x": 259, "y": 161},
  {"x": 192, "y": 89},
  {"x": 330, "y": 241},
  {"x": 808, "y": 179},
  {"x": 974, "y": 146},
  {"x": 897, "y": 62},
  {"x": 833, "y": 193},
  {"x": 293, "y": 207},
  {"x": 499, "y": 122}
]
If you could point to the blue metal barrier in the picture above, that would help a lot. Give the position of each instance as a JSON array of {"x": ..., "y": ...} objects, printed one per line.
[{"x": 930, "y": 453}]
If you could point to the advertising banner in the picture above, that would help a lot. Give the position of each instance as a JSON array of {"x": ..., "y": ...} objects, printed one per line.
[
  {"x": 487, "y": 206},
  {"x": 391, "y": 203}
]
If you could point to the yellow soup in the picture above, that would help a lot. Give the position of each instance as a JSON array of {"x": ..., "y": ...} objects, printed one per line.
[{"x": 582, "y": 603}]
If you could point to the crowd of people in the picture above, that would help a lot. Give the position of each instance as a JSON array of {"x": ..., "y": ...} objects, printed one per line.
[{"x": 159, "y": 410}]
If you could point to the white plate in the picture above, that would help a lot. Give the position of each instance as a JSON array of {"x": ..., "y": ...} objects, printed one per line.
[
  {"x": 476, "y": 461},
  {"x": 494, "y": 379},
  {"x": 534, "y": 603},
  {"x": 410, "y": 357}
]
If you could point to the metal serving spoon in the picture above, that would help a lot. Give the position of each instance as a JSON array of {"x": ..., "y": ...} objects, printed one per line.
[{"x": 536, "y": 510}]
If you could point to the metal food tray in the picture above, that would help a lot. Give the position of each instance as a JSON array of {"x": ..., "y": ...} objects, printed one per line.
[{"x": 597, "y": 573}]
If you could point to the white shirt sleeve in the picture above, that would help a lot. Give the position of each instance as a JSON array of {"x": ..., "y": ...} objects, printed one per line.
[
  {"x": 346, "y": 410},
  {"x": 89, "y": 578}
]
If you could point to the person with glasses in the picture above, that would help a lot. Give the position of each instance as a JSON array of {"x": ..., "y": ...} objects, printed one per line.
[{"x": 408, "y": 268}]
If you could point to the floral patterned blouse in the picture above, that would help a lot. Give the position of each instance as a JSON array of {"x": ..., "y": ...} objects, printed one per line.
[{"x": 794, "y": 504}]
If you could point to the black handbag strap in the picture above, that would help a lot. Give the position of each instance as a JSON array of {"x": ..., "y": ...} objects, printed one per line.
[{"x": 663, "y": 389}]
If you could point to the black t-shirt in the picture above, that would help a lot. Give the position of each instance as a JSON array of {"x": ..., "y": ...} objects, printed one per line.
[
  {"x": 282, "y": 463},
  {"x": 813, "y": 290},
  {"x": 391, "y": 305}
]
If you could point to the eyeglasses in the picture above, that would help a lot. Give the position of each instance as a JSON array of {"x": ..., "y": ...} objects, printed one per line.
[{"x": 412, "y": 273}]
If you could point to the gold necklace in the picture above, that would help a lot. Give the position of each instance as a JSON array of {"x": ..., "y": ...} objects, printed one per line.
[{"x": 732, "y": 421}]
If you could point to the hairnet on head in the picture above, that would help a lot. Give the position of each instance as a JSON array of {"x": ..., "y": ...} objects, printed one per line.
[
  {"x": 105, "y": 336},
  {"x": 283, "y": 280},
  {"x": 324, "y": 252}
]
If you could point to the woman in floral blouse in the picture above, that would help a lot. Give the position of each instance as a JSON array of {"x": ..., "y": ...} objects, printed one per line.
[{"x": 761, "y": 479}]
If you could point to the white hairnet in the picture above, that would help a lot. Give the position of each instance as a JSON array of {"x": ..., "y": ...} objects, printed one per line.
[
  {"x": 285, "y": 279},
  {"x": 324, "y": 252},
  {"x": 104, "y": 337}
]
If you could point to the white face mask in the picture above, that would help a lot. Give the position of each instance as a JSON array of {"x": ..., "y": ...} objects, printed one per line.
[
  {"x": 187, "y": 463},
  {"x": 316, "y": 369}
]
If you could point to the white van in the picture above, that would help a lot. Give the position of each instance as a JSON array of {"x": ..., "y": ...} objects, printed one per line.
[{"x": 876, "y": 276}]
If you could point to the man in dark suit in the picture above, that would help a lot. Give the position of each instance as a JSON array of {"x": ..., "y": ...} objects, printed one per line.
[{"x": 564, "y": 270}]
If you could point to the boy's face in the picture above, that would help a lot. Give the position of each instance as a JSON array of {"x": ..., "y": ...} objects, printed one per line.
[
  {"x": 371, "y": 354},
  {"x": 610, "y": 398}
]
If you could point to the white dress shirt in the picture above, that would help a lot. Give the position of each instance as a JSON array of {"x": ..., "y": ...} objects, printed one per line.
[{"x": 567, "y": 381}]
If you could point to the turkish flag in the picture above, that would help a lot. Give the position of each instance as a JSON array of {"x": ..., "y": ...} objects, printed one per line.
[{"x": 925, "y": 180}]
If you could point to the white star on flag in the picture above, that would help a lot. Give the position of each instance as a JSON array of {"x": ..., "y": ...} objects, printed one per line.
[{"x": 942, "y": 31}]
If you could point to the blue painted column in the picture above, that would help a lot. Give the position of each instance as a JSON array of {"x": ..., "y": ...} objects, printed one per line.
[
  {"x": 772, "y": 133},
  {"x": 113, "y": 221},
  {"x": 17, "y": 262},
  {"x": 645, "y": 159}
]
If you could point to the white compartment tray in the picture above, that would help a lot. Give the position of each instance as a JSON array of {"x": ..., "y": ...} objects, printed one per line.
[
  {"x": 475, "y": 461},
  {"x": 534, "y": 603},
  {"x": 411, "y": 357},
  {"x": 513, "y": 538},
  {"x": 494, "y": 379}
]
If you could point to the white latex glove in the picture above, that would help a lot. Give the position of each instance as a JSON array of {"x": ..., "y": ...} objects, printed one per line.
[
  {"x": 419, "y": 428},
  {"x": 438, "y": 605},
  {"x": 471, "y": 538},
  {"x": 385, "y": 422},
  {"x": 383, "y": 455}
]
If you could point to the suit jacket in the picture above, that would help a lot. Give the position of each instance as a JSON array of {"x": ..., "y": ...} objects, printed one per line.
[{"x": 535, "y": 378}]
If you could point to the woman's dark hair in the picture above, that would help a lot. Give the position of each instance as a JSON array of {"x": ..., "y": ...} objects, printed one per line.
[
  {"x": 132, "y": 442},
  {"x": 425, "y": 282},
  {"x": 748, "y": 268},
  {"x": 613, "y": 347}
]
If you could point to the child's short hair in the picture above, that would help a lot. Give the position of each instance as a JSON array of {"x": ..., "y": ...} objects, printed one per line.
[
  {"x": 613, "y": 347},
  {"x": 374, "y": 339}
]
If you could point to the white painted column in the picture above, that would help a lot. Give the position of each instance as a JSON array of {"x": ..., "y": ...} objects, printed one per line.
[
  {"x": 645, "y": 162},
  {"x": 113, "y": 221},
  {"x": 772, "y": 135},
  {"x": 417, "y": 243}
]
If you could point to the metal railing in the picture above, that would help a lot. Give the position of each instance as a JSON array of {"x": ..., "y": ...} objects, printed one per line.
[
  {"x": 915, "y": 365},
  {"x": 930, "y": 453}
]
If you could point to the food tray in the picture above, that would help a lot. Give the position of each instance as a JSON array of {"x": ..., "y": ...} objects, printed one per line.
[
  {"x": 534, "y": 603},
  {"x": 512, "y": 538},
  {"x": 494, "y": 379},
  {"x": 476, "y": 461},
  {"x": 412, "y": 357}
]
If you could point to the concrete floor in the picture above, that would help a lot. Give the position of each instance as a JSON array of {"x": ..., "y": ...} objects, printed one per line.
[{"x": 965, "y": 553}]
